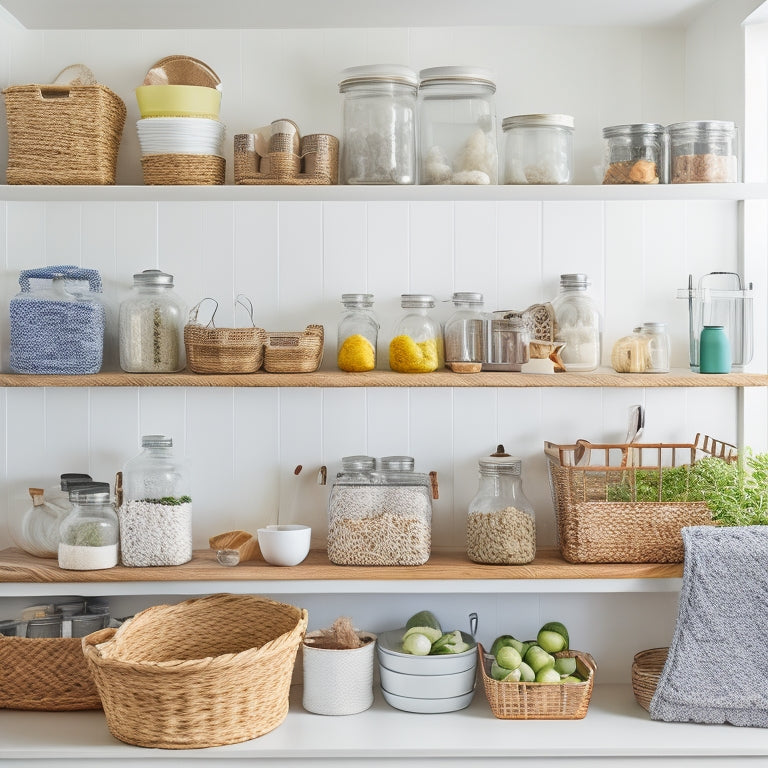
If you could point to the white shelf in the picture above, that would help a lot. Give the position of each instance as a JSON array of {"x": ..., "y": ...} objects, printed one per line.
[{"x": 615, "y": 729}]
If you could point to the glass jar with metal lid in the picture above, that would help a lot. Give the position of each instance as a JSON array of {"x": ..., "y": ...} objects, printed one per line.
[
  {"x": 357, "y": 333},
  {"x": 417, "y": 341},
  {"x": 578, "y": 324},
  {"x": 538, "y": 149},
  {"x": 378, "y": 143},
  {"x": 501, "y": 523},
  {"x": 89, "y": 535},
  {"x": 703, "y": 152},
  {"x": 464, "y": 333},
  {"x": 457, "y": 126},
  {"x": 634, "y": 154},
  {"x": 151, "y": 325}
]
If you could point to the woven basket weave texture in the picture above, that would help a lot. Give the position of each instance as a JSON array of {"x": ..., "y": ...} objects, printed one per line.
[
  {"x": 646, "y": 670},
  {"x": 294, "y": 352},
  {"x": 178, "y": 169},
  {"x": 205, "y": 672}
]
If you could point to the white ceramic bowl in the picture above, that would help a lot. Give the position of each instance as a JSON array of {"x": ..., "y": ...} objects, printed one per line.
[
  {"x": 427, "y": 686},
  {"x": 284, "y": 544},
  {"x": 391, "y": 656},
  {"x": 428, "y": 706}
]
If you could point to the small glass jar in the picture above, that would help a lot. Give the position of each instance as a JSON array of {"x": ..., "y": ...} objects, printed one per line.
[
  {"x": 156, "y": 513},
  {"x": 151, "y": 325},
  {"x": 378, "y": 125},
  {"x": 634, "y": 154},
  {"x": 357, "y": 333},
  {"x": 701, "y": 152},
  {"x": 464, "y": 333},
  {"x": 578, "y": 324},
  {"x": 417, "y": 342},
  {"x": 89, "y": 535},
  {"x": 538, "y": 149},
  {"x": 501, "y": 524},
  {"x": 457, "y": 126},
  {"x": 658, "y": 347},
  {"x": 508, "y": 344}
]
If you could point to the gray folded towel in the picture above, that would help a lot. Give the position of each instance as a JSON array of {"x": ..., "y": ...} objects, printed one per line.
[{"x": 717, "y": 667}]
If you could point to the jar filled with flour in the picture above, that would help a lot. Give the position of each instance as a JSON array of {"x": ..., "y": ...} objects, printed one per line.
[
  {"x": 89, "y": 534},
  {"x": 156, "y": 510}
]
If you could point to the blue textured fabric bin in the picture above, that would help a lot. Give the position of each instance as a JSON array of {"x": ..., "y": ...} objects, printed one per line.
[{"x": 57, "y": 326}]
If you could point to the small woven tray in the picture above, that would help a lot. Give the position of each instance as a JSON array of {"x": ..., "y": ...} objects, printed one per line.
[
  {"x": 540, "y": 701},
  {"x": 646, "y": 670},
  {"x": 183, "y": 169},
  {"x": 294, "y": 351}
]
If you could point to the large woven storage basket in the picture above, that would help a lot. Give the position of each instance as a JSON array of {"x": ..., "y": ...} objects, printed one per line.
[
  {"x": 540, "y": 701},
  {"x": 205, "y": 672},
  {"x": 63, "y": 134},
  {"x": 45, "y": 673},
  {"x": 594, "y": 527}
]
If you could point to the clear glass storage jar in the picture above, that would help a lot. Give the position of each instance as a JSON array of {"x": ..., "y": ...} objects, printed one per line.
[
  {"x": 156, "y": 513},
  {"x": 378, "y": 143},
  {"x": 457, "y": 126},
  {"x": 704, "y": 151},
  {"x": 89, "y": 534},
  {"x": 464, "y": 333},
  {"x": 658, "y": 346},
  {"x": 538, "y": 149},
  {"x": 382, "y": 517},
  {"x": 578, "y": 324},
  {"x": 417, "y": 341},
  {"x": 501, "y": 524},
  {"x": 358, "y": 333},
  {"x": 151, "y": 325},
  {"x": 634, "y": 154}
]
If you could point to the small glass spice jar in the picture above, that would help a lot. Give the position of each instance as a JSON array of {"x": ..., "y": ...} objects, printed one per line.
[
  {"x": 658, "y": 346},
  {"x": 703, "y": 152},
  {"x": 151, "y": 325},
  {"x": 417, "y": 341},
  {"x": 501, "y": 523},
  {"x": 464, "y": 333},
  {"x": 378, "y": 125},
  {"x": 457, "y": 126},
  {"x": 538, "y": 149},
  {"x": 89, "y": 534},
  {"x": 634, "y": 154},
  {"x": 578, "y": 324},
  {"x": 357, "y": 333}
]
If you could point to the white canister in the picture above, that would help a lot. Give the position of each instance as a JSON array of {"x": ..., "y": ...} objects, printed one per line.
[{"x": 338, "y": 681}]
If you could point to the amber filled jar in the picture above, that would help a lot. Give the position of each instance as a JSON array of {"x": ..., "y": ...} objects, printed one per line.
[
  {"x": 634, "y": 154},
  {"x": 417, "y": 341}
]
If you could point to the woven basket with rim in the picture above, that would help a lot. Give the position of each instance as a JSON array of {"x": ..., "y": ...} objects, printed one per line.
[
  {"x": 594, "y": 528},
  {"x": 540, "y": 701},
  {"x": 183, "y": 169},
  {"x": 63, "y": 134},
  {"x": 45, "y": 673},
  {"x": 294, "y": 351},
  {"x": 205, "y": 672},
  {"x": 646, "y": 670}
]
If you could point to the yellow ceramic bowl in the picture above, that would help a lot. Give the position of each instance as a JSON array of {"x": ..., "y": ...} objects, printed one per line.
[{"x": 178, "y": 101}]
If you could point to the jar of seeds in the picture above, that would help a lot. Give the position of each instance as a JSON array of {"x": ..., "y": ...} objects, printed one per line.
[
  {"x": 501, "y": 524},
  {"x": 380, "y": 517}
]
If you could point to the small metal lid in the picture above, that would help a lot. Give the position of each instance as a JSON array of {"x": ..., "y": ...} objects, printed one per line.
[
  {"x": 416, "y": 300},
  {"x": 727, "y": 126},
  {"x": 378, "y": 73},
  {"x": 358, "y": 463},
  {"x": 500, "y": 465},
  {"x": 632, "y": 129},
  {"x": 156, "y": 441},
  {"x": 466, "y": 297},
  {"x": 357, "y": 299},
  {"x": 655, "y": 326},
  {"x": 153, "y": 277},
  {"x": 397, "y": 463},
  {"x": 575, "y": 280},
  {"x": 536, "y": 121},
  {"x": 452, "y": 75}
]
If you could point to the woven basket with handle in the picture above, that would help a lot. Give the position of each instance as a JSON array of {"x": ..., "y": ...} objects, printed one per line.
[
  {"x": 205, "y": 672},
  {"x": 294, "y": 351}
]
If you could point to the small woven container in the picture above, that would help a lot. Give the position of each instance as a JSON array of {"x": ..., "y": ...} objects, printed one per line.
[
  {"x": 205, "y": 672},
  {"x": 592, "y": 528},
  {"x": 63, "y": 134},
  {"x": 646, "y": 670},
  {"x": 540, "y": 701},
  {"x": 294, "y": 351},
  {"x": 183, "y": 169},
  {"x": 46, "y": 674}
]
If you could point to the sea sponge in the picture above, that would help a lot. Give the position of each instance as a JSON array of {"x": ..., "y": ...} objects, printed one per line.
[{"x": 356, "y": 354}]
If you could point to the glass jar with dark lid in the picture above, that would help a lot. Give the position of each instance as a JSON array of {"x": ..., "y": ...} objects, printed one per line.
[
  {"x": 89, "y": 535},
  {"x": 634, "y": 154}
]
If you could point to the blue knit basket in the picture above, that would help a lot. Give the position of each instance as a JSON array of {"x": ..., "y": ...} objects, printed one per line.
[{"x": 57, "y": 333}]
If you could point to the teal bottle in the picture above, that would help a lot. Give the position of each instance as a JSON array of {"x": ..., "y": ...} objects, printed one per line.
[{"x": 714, "y": 350}]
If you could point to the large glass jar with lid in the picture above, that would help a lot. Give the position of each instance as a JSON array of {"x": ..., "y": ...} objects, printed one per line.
[
  {"x": 457, "y": 126},
  {"x": 464, "y": 333},
  {"x": 89, "y": 534},
  {"x": 156, "y": 510},
  {"x": 538, "y": 149},
  {"x": 501, "y": 524},
  {"x": 378, "y": 143},
  {"x": 151, "y": 325},
  {"x": 703, "y": 152},
  {"x": 634, "y": 154},
  {"x": 577, "y": 324},
  {"x": 357, "y": 333},
  {"x": 417, "y": 341}
]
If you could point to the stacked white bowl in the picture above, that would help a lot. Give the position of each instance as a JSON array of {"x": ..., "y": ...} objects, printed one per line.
[{"x": 180, "y": 136}]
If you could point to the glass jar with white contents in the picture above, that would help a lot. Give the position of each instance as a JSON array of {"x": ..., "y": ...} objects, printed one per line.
[
  {"x": 89, "y": 535},
  {"x": 538, "y": 149},
  {"x": 578, "y": 324}
]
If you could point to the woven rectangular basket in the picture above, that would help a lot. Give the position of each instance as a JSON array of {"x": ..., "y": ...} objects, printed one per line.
[
  {"x": 63, "y": 134},
  {"x": 208, "y": 671},
  {"x": 540, "y": 701},
  {"x": 46, "y": 674},
  {"x": 294, "y": 351},
  {"x": 592, "y": 527}
]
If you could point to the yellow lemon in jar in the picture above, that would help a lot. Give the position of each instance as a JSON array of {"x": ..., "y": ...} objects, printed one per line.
[
  {"x": 356, "y": 354},
  {"x": 409, "y": 356}
]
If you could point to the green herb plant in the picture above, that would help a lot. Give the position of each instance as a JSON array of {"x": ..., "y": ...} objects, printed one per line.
[{"x": 170, "y": 501}]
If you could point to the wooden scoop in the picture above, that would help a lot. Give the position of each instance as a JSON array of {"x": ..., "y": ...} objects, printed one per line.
[{"x": 241, "y": 541}]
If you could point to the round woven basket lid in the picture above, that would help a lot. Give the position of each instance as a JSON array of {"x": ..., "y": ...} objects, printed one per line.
[{"x": 182, "y": 70}]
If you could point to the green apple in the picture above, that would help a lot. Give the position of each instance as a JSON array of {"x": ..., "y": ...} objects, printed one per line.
[
  {"x": 503, "y": 640},
  {"x": 527, "y": 675},
  {"x": 548, "y": 675}
]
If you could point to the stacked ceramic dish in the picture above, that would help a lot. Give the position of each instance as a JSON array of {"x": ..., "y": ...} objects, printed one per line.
[
  {"x": 427, "y": 684},
  {"x": 180, "y": 133}
]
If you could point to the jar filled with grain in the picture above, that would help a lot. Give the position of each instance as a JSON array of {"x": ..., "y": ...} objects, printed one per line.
[
  {"x": 89, "y": 534},
  {"x": 501, "y": 524},
  {"x": 634, "y": 154},
  {"x": 417, "y": 341},
  {"x": 357, "y": 333},
  {"x": 703, "y": 152},
  {"x": 381, "y": 517}
]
